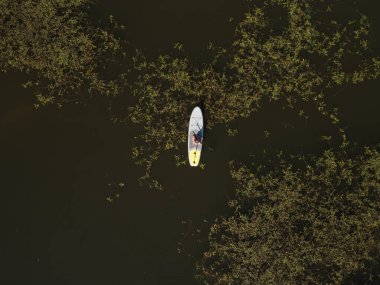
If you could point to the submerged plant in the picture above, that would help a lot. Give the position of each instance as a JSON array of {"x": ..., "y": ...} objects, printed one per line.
[
  {"x": 291, "y": 51},
  {"x": 300, "y": 51},
  {"x": 67, "y": 57},
  {"x": 313, "y": 221}
]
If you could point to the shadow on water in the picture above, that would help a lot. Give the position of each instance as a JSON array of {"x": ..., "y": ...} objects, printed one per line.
[{"x": 56, "y": 167}]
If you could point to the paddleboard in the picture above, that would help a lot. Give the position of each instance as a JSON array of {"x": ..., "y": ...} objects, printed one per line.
[{"x": 195, "y": 136}]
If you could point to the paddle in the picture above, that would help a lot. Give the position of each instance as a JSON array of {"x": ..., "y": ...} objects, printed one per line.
[{"x": 208, "y": 147}]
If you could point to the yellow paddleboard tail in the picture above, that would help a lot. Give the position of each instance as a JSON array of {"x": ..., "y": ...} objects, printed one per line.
[{"x": 194, "y": 157}]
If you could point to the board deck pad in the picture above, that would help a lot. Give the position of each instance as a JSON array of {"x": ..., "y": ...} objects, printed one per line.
[{"x": 195, "y": 127}]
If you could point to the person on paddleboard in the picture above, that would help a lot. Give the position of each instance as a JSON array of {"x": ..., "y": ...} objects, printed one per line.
[{"x": 196, "y": 139}]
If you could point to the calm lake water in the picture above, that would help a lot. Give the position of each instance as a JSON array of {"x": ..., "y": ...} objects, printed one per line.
[{"x": 59, "y": 167}]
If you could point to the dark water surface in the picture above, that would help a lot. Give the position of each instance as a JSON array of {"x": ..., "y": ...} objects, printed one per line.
[{"x": 58, "y": 167}]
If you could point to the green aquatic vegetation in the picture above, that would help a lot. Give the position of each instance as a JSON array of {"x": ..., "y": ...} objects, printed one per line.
[
  {"x": 232, "y": 132},
  {"x": 313, "y": 221},
  {"x": 67, "y": 57},
  {"x": 160, "y": 112},
  {"x": 295, "y": 52},
  {"x": 167, "y": 89}
]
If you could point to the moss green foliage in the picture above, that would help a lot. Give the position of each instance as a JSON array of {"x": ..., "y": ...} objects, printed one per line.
[
  {"x": 301, "y": 50},
  {"x": 56, "y": 43},
  {"x": 294, "y": 51},
  {"x": 314, "y": 223},
  {"x": 167, "y": 90}
]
